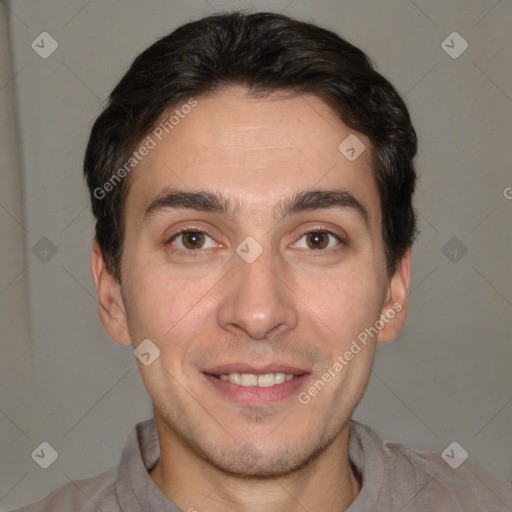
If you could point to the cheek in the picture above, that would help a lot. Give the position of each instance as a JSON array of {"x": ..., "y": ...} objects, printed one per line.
[
  {"x": 153, "y": 305},
  {"x": 346, "y": 303},
  {"x": 167, "y": 308}
]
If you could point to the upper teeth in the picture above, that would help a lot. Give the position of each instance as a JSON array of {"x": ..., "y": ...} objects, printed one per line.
[{"x": 262, "y": 381}]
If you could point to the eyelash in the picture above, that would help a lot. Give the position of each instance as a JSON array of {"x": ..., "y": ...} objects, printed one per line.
[
  {"x": 198, "y": 253},
  {"x": 187, "y": 253}
]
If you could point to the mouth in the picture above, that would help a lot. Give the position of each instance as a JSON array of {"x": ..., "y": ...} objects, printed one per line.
[
  {"x": 251, "y": 386},
  {"x": 251, "y": 380}
]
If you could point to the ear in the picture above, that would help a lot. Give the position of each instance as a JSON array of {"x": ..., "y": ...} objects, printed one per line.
[
  {"x": 394, "y": 310},
  {"x": 110, "y": 302}
]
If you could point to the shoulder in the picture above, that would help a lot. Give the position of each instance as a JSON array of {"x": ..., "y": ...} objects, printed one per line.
[
  {"x": 467, "y": 485},
  {"x": 87, "y": 495},
  {"x": 417, "y": 479}
]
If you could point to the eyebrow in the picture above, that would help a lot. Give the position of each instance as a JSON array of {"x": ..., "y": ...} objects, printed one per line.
[{"x": 214, "y": 202}]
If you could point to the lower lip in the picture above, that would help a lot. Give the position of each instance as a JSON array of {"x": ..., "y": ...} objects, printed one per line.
[{"x": 254, "y": 395}]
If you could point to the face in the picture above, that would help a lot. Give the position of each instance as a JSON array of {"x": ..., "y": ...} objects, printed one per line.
[{"x": 254, "y": 289}]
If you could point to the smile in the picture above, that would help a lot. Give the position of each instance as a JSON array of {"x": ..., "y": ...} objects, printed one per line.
[
  {"x": 252, "y": 380},
  {"x": 256, "y": 387}
]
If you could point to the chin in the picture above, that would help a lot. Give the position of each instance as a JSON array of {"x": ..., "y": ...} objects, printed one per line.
[{"x": 269, "y": 462}]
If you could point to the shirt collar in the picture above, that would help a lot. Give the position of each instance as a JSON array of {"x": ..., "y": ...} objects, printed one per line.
[
  {"x": 138, "y": 493},
  {"x": 135, "y": 490}
]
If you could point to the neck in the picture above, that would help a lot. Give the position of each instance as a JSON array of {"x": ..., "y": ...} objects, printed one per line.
[{"x": 327, "y": 482}]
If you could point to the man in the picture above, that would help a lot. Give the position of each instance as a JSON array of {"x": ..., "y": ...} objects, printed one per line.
[{"x": 252, "y": 181}]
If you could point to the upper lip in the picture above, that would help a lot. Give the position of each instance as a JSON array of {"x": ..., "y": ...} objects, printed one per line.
[{"x": 226, "y": 369}]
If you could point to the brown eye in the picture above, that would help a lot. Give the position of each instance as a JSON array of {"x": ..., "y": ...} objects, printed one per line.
[
  {"x": 319, "y": 239},
  {"x": 191, "y": 240}
]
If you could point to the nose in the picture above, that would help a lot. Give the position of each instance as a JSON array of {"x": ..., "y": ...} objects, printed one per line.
[{"x": 258, "y": 298}]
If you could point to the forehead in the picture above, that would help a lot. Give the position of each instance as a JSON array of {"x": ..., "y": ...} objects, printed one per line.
[{"x": 258, "y": 151}]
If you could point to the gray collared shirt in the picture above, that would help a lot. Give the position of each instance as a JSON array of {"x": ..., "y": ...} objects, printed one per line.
[{"x": 395, "y": 478}]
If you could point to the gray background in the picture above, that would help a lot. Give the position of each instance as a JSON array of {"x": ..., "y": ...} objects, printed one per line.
[{"x": 447, "y": 377}]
